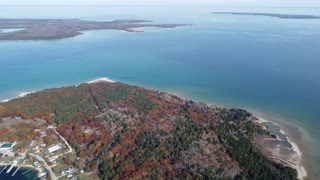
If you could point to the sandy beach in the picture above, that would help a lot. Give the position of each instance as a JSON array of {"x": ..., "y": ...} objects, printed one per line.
[
  {"x": 23, "y": 94},
  {"x": 296, "y": 158},
  {"x": 4, "y": 100},
  {"x": 105, "y": 79},
  {"x": 134, "y": 30},
  {"x": 19, "y": 96}
]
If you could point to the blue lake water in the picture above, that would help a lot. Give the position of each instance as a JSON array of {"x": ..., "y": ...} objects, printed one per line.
[
  {"x": 264, "y": 64},
  {"x": 21, "y": 174}
]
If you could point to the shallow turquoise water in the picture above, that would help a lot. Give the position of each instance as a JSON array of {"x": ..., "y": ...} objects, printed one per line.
[
  {"x": 10, "y": 30},
  {"x": 265, "y": 64}
]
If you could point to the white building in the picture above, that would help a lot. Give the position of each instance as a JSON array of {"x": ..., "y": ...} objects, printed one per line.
[
  {"x": 35, "y": 148},
  {"x": 54, "y": 148},
  {"x": 51, "y": 127},
  {"x": 51, "y": 159},
  {"x": 69, "y": 170},
  {"x": 69, "y": 175}
]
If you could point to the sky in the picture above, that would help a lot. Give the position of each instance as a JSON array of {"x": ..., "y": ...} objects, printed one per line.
[{"x": 291, "y": 3}]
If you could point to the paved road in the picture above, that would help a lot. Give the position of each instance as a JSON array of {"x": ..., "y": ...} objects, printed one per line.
[
  {"x": 64, "y": 140},
  {"x": 52, "y": 175}
]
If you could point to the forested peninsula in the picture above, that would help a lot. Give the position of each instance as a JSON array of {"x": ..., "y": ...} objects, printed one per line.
[
  {"x": 50, "y": 29},
  {"x": 123, "y": 131}
]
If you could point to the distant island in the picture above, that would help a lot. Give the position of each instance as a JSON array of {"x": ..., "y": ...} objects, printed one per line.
[
  {"x": 281, "y": 16},
  {"x": 112, "y": 130},
  {"x": 48, "y": 29}
]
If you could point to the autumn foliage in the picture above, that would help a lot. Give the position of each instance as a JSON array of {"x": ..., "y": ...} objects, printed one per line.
[{"x": 126, "y": 131}]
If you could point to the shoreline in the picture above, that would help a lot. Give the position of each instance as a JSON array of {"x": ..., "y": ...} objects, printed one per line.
[
  {"x": 104, "y": 79},
  {"x": 39, "y": 170},
  {"x": 134, "y": 30},
  {"x": 302, "y": 173},
  {"x": 22, "y": 94},
  {"x": 35, "y": 29}
]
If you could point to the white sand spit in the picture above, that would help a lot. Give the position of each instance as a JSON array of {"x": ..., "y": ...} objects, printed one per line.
[{"x": 101, "y": 80}]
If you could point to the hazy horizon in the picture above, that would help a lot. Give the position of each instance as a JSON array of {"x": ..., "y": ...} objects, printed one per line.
[
  {"x": 262, "y": 59},
  {"x": 273, "y": 3}
]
